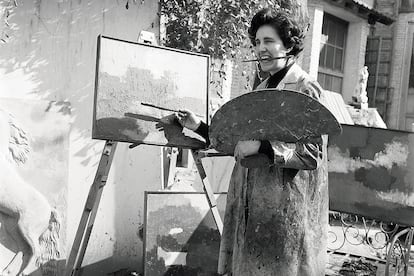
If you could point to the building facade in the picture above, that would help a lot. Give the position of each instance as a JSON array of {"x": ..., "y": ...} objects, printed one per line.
[
  {"x": 397, "y": 40},
  {"x": 347, "y": 35},
  {"x": 337, "y": 40}
]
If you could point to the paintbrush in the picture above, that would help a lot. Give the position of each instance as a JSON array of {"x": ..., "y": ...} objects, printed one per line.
[
  {"x": 166, "y": 108},
  {"x": 266, "y": 59},
  {"x": 160, "y": 107}
]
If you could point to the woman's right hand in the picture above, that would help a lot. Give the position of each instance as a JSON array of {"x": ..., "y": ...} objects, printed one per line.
[{"x": 188, "y": 119}]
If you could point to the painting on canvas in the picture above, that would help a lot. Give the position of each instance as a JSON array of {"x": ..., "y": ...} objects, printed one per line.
[
  {"x": 181, "y": 237},
  {"x": 139, "y": 86},
  {"x": 371, "y": 172}
]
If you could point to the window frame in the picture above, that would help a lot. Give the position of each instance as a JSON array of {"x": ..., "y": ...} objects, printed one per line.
[
  {"x": 411, "y": 66},
  {"x": 406, "y": 6},
  {"x": 329, "y": 71}
]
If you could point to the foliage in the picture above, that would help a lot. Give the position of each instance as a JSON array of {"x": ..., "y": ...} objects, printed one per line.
[
  {"x": 217, "y": 28},
  {"x": 214, "y": 27}
]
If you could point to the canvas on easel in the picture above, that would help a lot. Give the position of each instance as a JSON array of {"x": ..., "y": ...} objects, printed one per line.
[
  {"x": 139, "y": 86},
  {"x": 180, "y": 235}
]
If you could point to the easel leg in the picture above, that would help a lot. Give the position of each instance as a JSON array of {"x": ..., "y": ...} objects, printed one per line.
[
  {"x": 208, "y": 191},
  {"x": 173, "y": 164},
  {"x": 83, "y": 233}
]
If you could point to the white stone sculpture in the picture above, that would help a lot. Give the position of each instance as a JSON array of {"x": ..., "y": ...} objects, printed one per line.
[
  {"x": 360, "y": 93},
  {"x": 25, "y": 213}
]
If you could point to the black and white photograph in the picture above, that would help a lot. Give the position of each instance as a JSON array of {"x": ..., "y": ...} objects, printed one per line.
[{"x": 207, "y": 138}]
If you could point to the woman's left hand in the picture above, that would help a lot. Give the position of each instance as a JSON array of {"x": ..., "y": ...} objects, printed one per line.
[{"x": 246, "y": 148}]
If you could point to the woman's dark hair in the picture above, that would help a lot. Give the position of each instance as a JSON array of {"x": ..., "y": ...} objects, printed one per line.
[{"x": 290, "y": 26}]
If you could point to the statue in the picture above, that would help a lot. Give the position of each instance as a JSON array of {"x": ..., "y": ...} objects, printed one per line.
[
  {"x": 25, "y": 213},
  {"x": 360, "y": 98}
]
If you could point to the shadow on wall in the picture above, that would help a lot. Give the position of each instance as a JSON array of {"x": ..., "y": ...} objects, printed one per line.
[
  {"x": 106, "y": 267},
  {"x": 51, "y": 55},
  {"x": 32, "y": 195},
  {"x": 51, "y": 52}
]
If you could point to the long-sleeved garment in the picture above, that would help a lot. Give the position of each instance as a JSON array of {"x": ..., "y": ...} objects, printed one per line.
[{"x": 276, "y": 216}]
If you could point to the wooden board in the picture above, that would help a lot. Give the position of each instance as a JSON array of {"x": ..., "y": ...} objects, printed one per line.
[{"x": 270, "y": 114}]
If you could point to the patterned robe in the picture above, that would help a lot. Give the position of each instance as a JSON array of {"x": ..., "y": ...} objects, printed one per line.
[{"x": 276, "y": 216}]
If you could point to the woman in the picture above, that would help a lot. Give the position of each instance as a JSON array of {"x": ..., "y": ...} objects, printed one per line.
[{"x": 276, "y": 216}]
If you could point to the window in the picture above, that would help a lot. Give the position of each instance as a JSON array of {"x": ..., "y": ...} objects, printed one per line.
[
  {"x": 409, "y": 101},
  {"x": 406, "y": 5},
  {"x": 331, "y": 56},
  {"x": 411, "y": 76}
]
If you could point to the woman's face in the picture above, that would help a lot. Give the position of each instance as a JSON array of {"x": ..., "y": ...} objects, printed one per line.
[{"x": 269, "y": 45}]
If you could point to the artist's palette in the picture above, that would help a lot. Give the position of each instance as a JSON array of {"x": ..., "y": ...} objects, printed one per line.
[{"x": 270, "y": 114}]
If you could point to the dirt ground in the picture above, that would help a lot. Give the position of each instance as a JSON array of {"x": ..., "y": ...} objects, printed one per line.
[
  {"x": 361, "y": 259},
  {"x": 350, "y": 265}
]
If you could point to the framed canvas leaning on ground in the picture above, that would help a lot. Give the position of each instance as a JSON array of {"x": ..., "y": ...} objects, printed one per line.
[
  {"x": 180, "y": 236},
  {"x": 138, "y": 87}
]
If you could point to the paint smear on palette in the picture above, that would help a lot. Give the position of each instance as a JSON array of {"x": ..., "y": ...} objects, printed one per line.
[{"x": 394, "y": 154}]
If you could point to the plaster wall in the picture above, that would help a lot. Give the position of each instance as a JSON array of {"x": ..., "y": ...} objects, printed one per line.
[
  {"x": 402, "y": 43},
  {"x": 354, "y": 57},
  {"x": 51, "y": 55},
  {"x": 312, "y": 41}
]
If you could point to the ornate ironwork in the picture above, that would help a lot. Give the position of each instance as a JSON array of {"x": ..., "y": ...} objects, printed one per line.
[{"x": 385, "y": 242}]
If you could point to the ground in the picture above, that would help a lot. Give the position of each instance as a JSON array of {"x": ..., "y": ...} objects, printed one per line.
[
  {"x": 357, "y": 258},
  {"x": 351, "y": 265}
]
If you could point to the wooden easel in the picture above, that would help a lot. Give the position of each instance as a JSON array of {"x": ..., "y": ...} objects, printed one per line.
[
  {"x": 77, "y": 253},
  {"x": 83, "y": 233}
]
